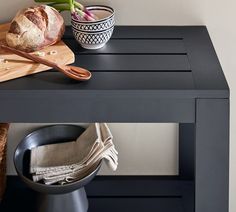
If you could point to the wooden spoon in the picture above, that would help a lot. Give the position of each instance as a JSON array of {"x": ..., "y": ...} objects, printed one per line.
[{"x": 73, "y": 72}]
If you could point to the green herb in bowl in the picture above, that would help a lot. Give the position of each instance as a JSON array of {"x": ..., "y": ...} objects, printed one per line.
[{"x": 78, "y": 11}]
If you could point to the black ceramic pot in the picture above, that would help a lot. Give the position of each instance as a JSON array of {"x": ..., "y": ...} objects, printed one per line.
[{"x": 54, "y": 198}]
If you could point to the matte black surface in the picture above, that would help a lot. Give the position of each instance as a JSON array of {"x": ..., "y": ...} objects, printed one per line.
[
  {"x": 134, "y": 63},
  {"x": 205, "y": 65},
  {"x": 122, "y": 204},
  {"x": 190, "y": 49},
  {"x": 212, "y": 155},
  {"x": 186, "y": 151},
  {"x": 92, "y": 107},
  {"x": 109, "y": 201},
  {"x": 75, "y": 201},
  {"x": 103, "y": 81},
  {"x": 139, "y": 186}
]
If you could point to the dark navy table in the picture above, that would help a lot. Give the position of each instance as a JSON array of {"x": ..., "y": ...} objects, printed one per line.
[{"x": 144, "y": 74}]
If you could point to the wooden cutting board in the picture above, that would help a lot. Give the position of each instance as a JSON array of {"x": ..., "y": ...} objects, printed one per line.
[{"x": 16, "y": 66}]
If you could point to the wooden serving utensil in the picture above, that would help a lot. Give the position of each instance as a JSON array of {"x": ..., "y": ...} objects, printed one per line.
[{"x": 73, "y": 72}]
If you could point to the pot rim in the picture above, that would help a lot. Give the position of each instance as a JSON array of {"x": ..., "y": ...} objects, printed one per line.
[{"x": 96, "y": 21}]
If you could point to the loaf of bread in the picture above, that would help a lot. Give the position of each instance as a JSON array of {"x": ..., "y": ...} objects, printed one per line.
[{"x": 34, "y": 28}]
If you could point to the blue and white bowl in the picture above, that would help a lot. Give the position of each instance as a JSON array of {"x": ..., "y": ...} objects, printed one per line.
[{"x": 94, "y": 34}]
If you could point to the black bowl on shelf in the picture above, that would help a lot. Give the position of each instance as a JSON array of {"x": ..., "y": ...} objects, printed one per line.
[{"x": 53, "y": 198}]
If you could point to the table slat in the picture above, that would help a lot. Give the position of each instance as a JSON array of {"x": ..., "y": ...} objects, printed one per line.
[
  {"x": 130, "y": 46},
  {"x": 134, "y": 62}
]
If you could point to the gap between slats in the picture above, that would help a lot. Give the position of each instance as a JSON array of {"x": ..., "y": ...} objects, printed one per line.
[
  {"x": 100, "y": 53},
  {"x": 138, "y": 71},
  {"x": 137, "y": 197},
  {"x": 145, "y": 38}
]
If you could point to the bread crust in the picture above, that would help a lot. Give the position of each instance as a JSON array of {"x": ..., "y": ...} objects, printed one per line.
[{"x": 34, "y": 28}]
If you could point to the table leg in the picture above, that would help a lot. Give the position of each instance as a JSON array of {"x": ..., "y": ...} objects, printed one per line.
[
  {"x": 186, "y": 151},
  {"x": 212, "y": 155}
]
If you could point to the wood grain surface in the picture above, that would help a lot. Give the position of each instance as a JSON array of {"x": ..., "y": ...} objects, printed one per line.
[{"x": 17, "y": 66}]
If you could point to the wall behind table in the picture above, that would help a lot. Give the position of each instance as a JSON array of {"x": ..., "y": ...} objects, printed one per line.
[
  {"x": 148, "y": 12},
  {"x": 144, "y": 149},
  {"x": 218, "y": 15}
]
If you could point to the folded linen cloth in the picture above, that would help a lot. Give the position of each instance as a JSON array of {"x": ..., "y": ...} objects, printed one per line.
[{"x": 67, "y": 162}]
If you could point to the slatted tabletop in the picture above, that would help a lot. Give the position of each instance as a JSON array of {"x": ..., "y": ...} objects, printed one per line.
[{"x": 138, "y": 63}]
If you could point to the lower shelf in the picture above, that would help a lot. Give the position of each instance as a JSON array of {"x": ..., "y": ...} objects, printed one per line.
[
  {"x": 126, "y": 204},
  {"x": 116, "y": 194}
]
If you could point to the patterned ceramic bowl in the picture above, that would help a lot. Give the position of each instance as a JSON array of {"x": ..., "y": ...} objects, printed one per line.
[{"x": 94, "y": 34}]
